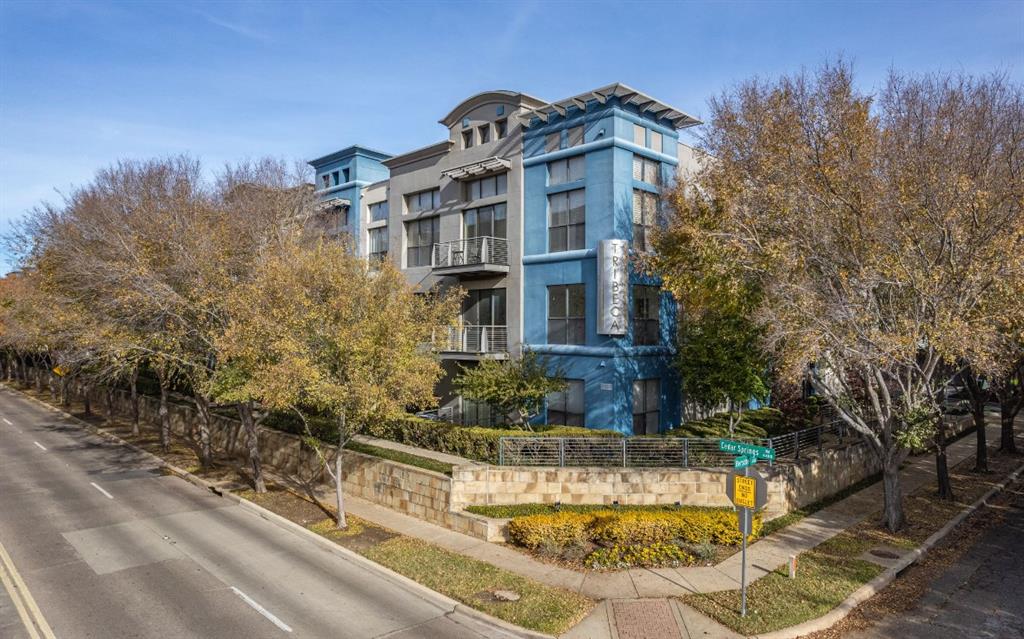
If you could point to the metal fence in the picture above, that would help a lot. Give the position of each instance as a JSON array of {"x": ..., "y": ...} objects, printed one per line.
[{"x": 662, "y": 452}]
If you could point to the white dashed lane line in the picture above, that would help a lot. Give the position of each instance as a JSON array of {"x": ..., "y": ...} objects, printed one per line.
[
  {"x": 97, "y": 487},
  {"x": 39, "y": 445},
  {"x": 260, "y": 609},
  {"x": 7, "y": 421}
]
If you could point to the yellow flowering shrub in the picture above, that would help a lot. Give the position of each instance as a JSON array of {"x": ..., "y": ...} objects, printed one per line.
[
  {"x": 631, "y": 527},
  {"x": 649, "y": 556},
  {"x": 557, "y": 529}
]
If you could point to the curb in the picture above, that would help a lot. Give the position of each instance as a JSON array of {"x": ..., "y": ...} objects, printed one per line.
[
  {"x": 877, "y": 584},
  {"x": 449, "y": 605}
]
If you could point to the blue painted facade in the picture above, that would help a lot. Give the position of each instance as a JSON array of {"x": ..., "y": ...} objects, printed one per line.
[
  {"x": 608, "y": 365},
  {"x": 347, "y": 171}
]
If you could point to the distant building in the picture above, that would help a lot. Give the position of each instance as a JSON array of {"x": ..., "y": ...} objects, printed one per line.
[{"x": 513, "y": 207}]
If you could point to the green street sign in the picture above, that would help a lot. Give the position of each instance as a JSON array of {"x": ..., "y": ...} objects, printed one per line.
[
  {"x": 742, "y": 461},
  {"x": 739, "y": 448}
]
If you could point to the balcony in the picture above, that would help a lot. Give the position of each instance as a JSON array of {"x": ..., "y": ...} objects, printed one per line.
[
  {"x": 471, "y": 341},
  {"x": 476, "y": 256}
]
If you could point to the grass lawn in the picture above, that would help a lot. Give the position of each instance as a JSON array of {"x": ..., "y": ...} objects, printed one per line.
[
  {"x": 830, "y": 572},
  {"x": 470, "y": 581},
  {"x": 401, "y": 457},
  {"x": 775, "y": 601}
]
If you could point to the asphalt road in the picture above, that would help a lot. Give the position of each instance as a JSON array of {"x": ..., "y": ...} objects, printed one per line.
[
  {"x": 107, "y": 547},
  {"x": 981, "y": 596}
]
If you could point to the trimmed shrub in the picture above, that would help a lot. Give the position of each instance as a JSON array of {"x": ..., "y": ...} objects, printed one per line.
[
  {"x": 755, "y": 424},
  {"x": 558, "y": 529},
  {"x": 472, "y": 442},
  {"x": 651, "y": 556},
  {"x": 692, "y": 525}
]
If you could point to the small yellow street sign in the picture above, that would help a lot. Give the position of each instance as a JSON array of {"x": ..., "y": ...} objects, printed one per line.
[
  {"x": 744, "y": 491},
  {"x": 59, "y": 370}
]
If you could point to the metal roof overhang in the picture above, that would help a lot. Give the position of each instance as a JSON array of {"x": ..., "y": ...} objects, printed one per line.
[
  {"x": 483, "y": 167},
  {"x": 628, "y": 95}
]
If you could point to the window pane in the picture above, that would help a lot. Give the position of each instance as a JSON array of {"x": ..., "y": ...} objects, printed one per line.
[
  {"x": 577, "y": 238},
  {"x": 556, "y": 301},
  {"x": 574, "y": 396},
  {"x": 653, "y": 394},
  {"x": 556, "y": 331},
  {"x": 576, "y": 136},
  {"x": 500, "y": 225},
  {"x": 577, "y": 166},
  {"x": 656, "y": 141},
  {"x": 471, "y": 223},
  {"x": 638, "y": 168},
  {"x": 638, "y": 397},
  {"x": 553, "y": 142},
  {"x": 485, "y": 134},
  {"x": 638, "y": 206},
  {"x": 436, "y": 198},
  {"x": 577, "y": 302},
  {"x": 576, "y": 333},
  {"x": 557, "y": 172},
  {"x": 639, "y": 135},
  {"x": 499, "y": 313},
  {"x": 503, "y": 183}
]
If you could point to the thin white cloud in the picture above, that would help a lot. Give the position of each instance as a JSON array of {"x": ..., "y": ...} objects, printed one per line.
[{"x": 238, "y": 29}]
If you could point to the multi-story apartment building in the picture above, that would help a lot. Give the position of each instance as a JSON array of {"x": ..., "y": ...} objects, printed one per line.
[{"x": 532, "y": 207}]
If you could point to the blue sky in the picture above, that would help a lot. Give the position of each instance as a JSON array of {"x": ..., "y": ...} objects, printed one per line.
[{"x": 85, "y": 83}]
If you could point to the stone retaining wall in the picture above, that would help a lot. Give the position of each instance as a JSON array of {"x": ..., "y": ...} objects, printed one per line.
[{"x": 441, "y": 500}]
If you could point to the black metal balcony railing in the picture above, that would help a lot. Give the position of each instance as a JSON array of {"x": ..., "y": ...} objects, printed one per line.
[
  {"x": 474, "y": 338},
  {"x": 481, "y": 251}
]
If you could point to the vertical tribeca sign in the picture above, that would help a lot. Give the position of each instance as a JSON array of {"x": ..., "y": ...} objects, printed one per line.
[{"x": 612, "y": 287}]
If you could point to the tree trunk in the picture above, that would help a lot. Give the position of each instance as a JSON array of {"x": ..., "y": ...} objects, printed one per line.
[
  {"x": 245, "y": 412},
  {"x": 110, "y": 404},
  {"x": 165, "y": 418},
  {"x": 342, "y": 439},
  {"x": 135, "y": 402},
  {"x": 205, "y": 448},
  {"x": 978, "y": 413},
  {"x": 894, "y": 516},
  {"x": 65, "y": 391},
  {"x": 86, "y": 401},
  {"x": 22, "y": 371},
  {"x": 39, "y": 376},
  {"x": 945, "y": 487}
]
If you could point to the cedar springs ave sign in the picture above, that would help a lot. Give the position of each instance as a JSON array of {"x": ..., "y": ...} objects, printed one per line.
[{"x": 612, "y": 287}]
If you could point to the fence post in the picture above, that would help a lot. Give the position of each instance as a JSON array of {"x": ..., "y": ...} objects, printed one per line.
[
  {"x": 771, "y": 462},
  {"x": 624, "y": 464},
  {"x": 796, "y": 445},
  {"x": 561, "y": 451},
  {"x": 501, "y": 451},
  {"x": 686, "y": 452}
]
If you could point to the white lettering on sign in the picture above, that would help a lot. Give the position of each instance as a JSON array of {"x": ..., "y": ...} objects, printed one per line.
[{"x": 612, "y": 287}]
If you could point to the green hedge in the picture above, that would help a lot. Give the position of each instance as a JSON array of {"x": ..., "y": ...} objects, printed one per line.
[
  {"x": 471, "y": 442},
  {"x": 759, "y": 423}
]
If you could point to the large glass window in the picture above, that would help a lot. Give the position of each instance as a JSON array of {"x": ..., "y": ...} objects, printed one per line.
[
  {"x": 487, "y": 187},
  {"x": 476, "y": 413},
  {"x": 484, "y": 307},
  {"x": 378, "y": 244},
  {"x": 567, "y": 170},
  {"x": 646, "y": 406},
  {"x": 646, "y": 170},
  {"x": 645, "y": 218},
  {"x": 485, "y": 221},
  {"x": 552, "y": 141},
  {"x": 639, "y": 135},
  {"x": 567, "y": 226},
  {"x": 421, "y": 235},
  {"x": 646, "y": 315},
  {"x": 575, "y": 135},
  {"x": 566, "y": 408},
  {"x": 423, "y": 201},
  {"x": 379, "y": 211},
  {"x": 567, "y": 314}
]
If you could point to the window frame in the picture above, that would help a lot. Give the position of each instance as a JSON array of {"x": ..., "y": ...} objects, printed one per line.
[
  {"x": 500, "y": 186},
  {"x": 573, "y": 328},
  {"x": 646, "y": 315},
  {"x": 647, "y": 412},
  {"x": 484, "y": 133},
  {"x": 500, "y": 128},
  {"x": 574, "y": 233},
  {"x": 646, "y": 219},
  {"x": 477, "y": 211},
  {"x": 574, "y": 136},
  {"x": 467, "y": 138},
  {"x": 555, "y": 137},
  {"x": 435, "y": 235},
  {"x": 381, "y": 232},
  {"x": 649, "y": 170},
  {"x": 641, "y": 131},
  {"x": 580, "y": 161},
  {"x": 558, "y": 405},
  {"x": 435, "y": 203}
]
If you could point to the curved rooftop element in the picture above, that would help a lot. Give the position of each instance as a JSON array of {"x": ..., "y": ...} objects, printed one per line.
[
  {"x": 625, "y": 94},
  {"x": 486, "y": 97}
]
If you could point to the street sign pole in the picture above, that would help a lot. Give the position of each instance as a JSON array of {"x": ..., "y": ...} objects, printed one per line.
[{"x": 745, "y": 514}]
